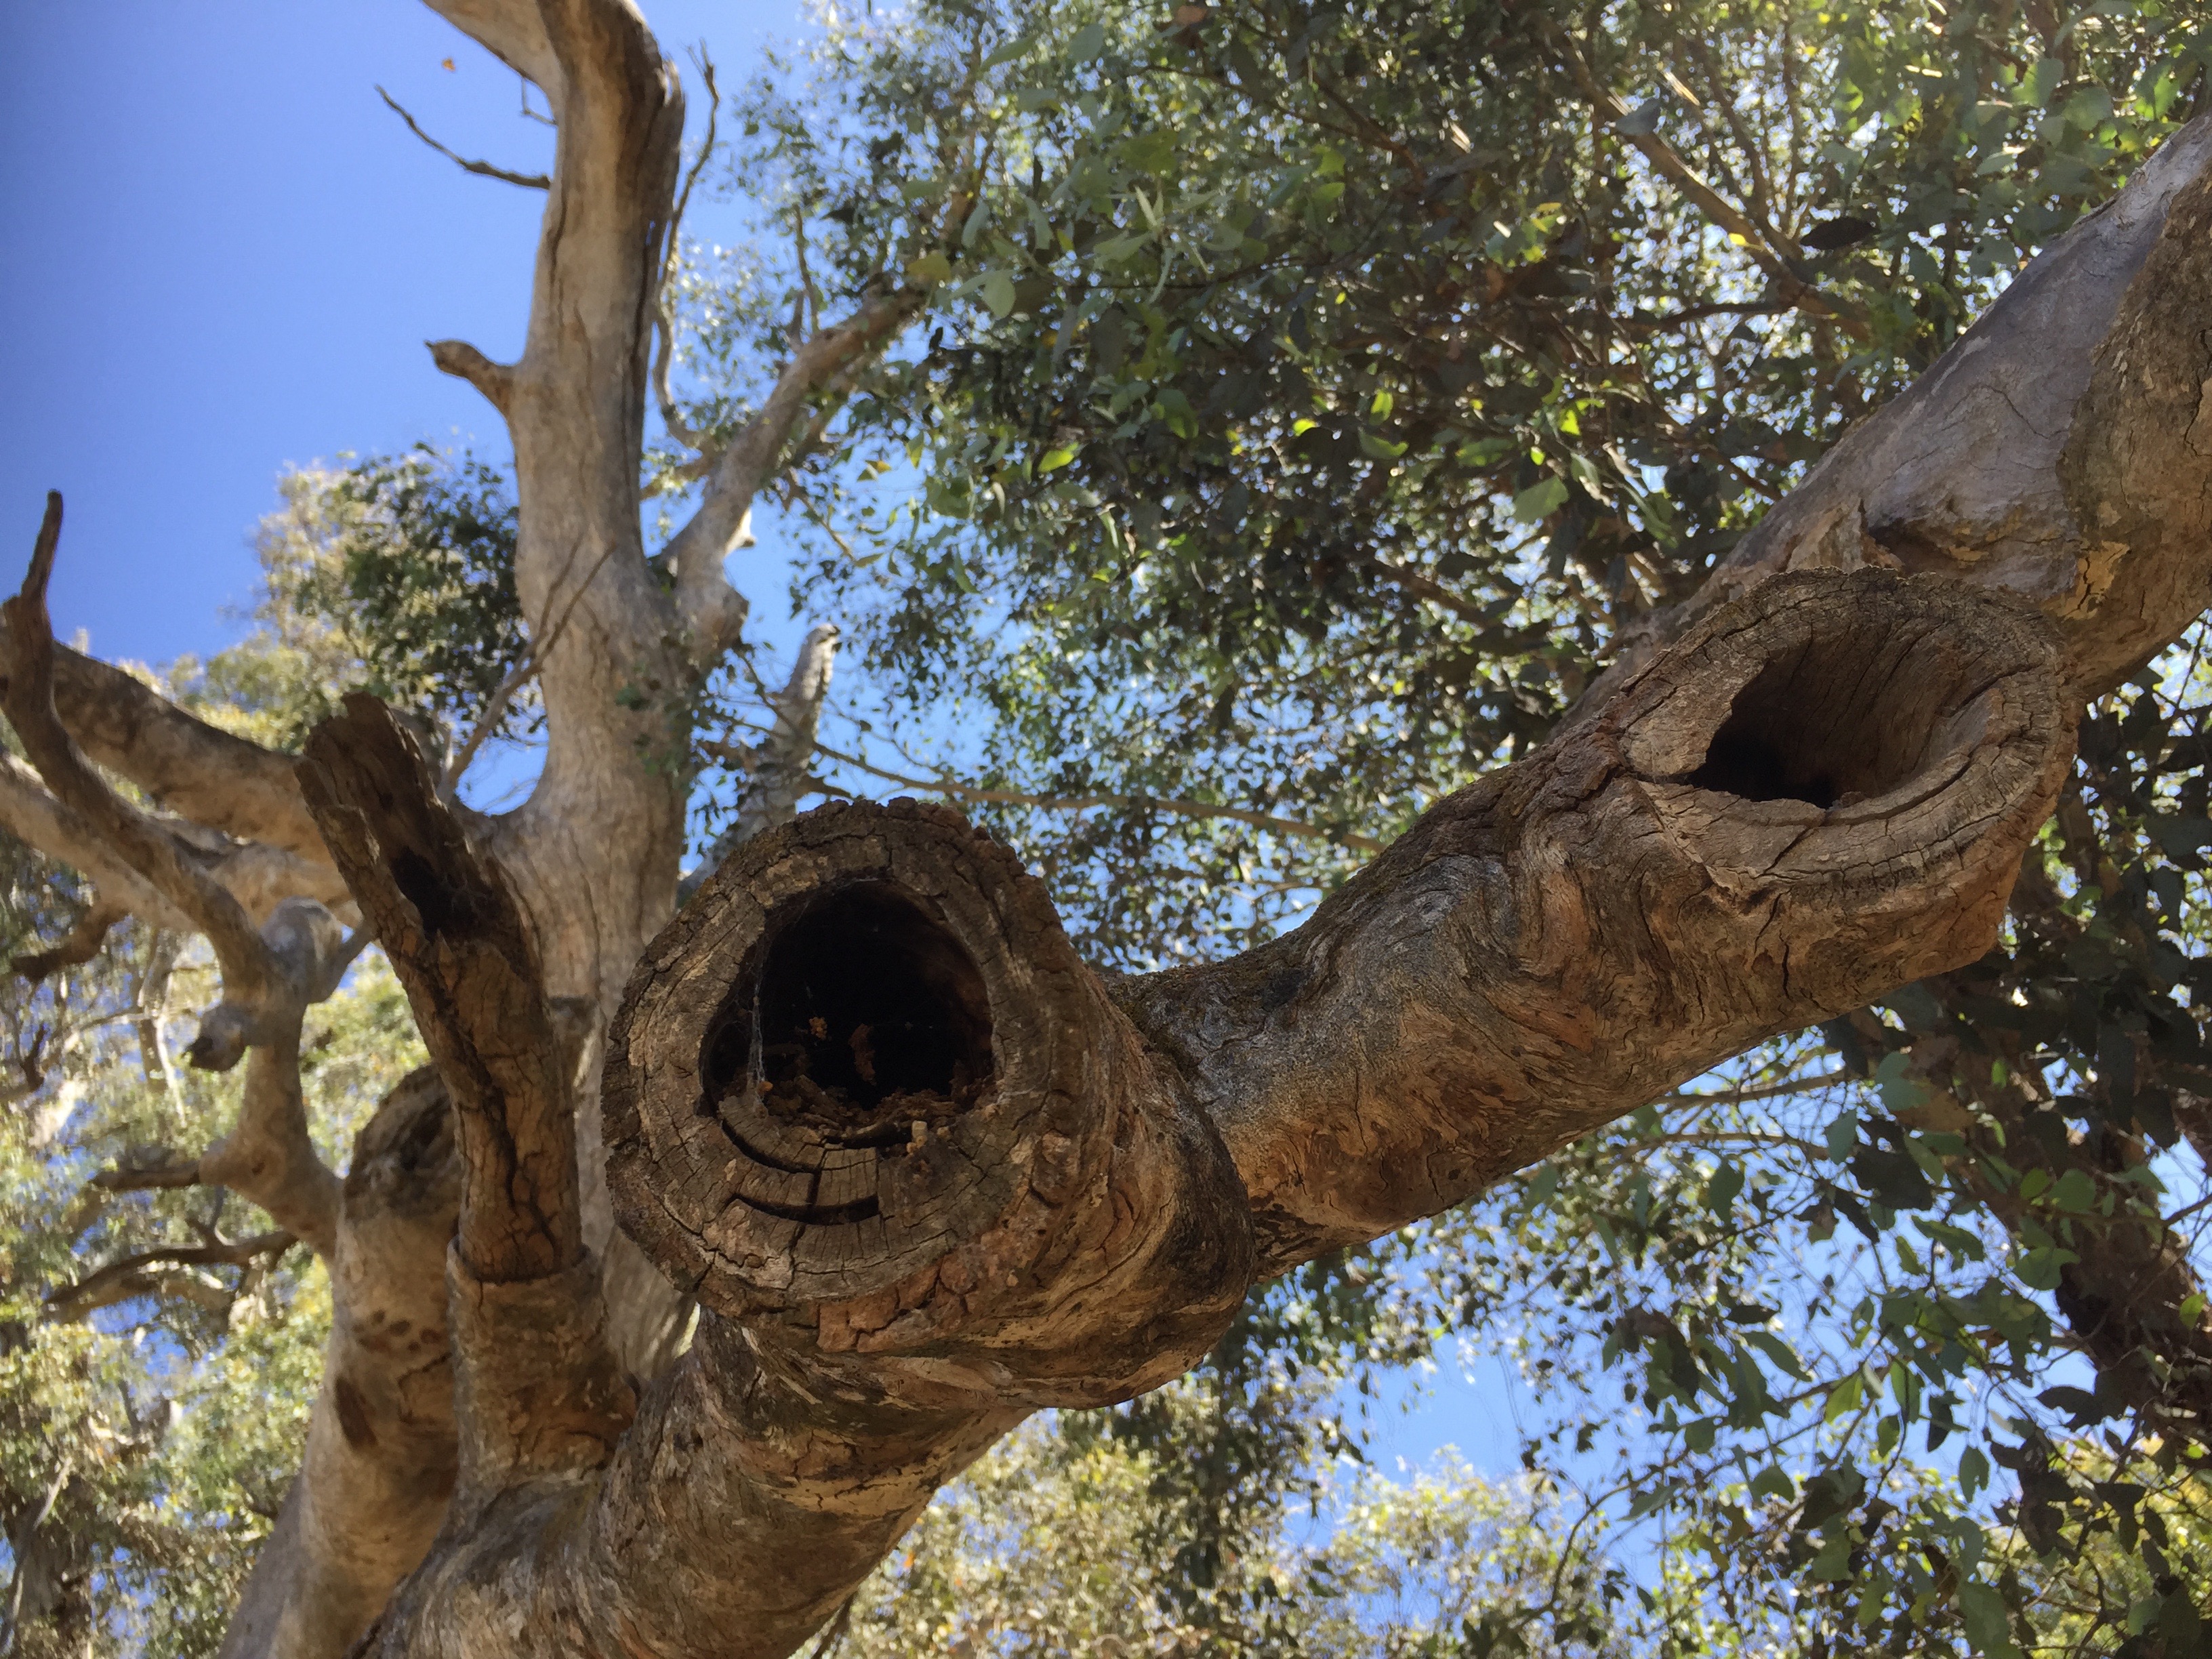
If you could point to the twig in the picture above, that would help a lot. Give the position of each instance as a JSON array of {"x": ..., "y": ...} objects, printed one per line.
[
  {"x": 664, "y": 324},
  {"x": 141, "y": 1170},
  {"x": 1083, "y": 803},
  {"x": 541, "y": 646},
  {"x": 1424, "y": 587},
  {"x": 75, "y": 948},
  {"x": 833, "y": 1633},
  {"x": 1715, "y": 206},
  {"x": 527, "y": 180}
]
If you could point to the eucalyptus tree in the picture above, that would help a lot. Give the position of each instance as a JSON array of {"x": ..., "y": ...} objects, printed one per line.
[{"x": 923, "y": 1169}]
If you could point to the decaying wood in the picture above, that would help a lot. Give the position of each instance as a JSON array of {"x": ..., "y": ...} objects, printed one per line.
[
  {"x": 967, "y": 1190},
  {"x": 2058, "y": 452},
  {"x": 452, "y": 932}
]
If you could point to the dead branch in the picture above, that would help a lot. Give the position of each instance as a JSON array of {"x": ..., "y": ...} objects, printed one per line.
[
  {"x": 464, "y": 361},
  {"x": 455, "y": 937},
  {"x": 483, "y": 169},
  {"x": 664, "y": 320}
]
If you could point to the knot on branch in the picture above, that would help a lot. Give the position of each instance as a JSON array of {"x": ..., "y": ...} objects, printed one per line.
[
  {"x": 1853, "y": 761},
  {"x": 863, "y": 1083}
]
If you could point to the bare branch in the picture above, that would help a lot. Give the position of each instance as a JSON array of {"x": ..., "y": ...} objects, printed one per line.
[
  {"x": 189, "y": 767},
  {"x": 146, "y": 1169},
  {"x": 77, "y": 946},
  {"x": 121, "y": 1280},
  {"x": 1424, "y": 587},
  {"x": 664, "y": 319},
  {"x": 143, "y": 844},
  {"x": 464, "y": 361},
  {"x": 711, "y": 610},
  {"x": 515, "y": 32},
  {"x": 541, "y": 641},
  {"x": 32, "y": 814},
  {"x": 483, "y": 169}
]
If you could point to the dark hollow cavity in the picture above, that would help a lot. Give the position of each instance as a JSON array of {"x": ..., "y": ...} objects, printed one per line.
[
  {"x": 1827, "y": 725},
  {"x": 864, "y": 1015}
]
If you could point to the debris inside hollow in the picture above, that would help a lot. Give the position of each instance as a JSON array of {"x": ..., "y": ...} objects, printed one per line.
[{"x": 787, "y": 1088}]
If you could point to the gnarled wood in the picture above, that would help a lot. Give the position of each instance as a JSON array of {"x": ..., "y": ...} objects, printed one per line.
[{"x": 1821, "y": 793}]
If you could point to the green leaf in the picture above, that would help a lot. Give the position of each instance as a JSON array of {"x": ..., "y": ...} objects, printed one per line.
[
  {"x": 1054, "y": 460},
  {"x": 1378, "y": 448},
  {"x": 1090, "y": 42},
  {"x": 1009, "y": 51},
  {"x": 1150, "y": 152},
  {"x": 2074, "y": 1191},
  {"x": 1174, "y": 409},
  {"x": 1540, "y": 499},
  {"x": 1982, "y": 1610},
  {"x": 1721, "y": 1191},
  {"x": 931, "y": 267},
  {"x": 1844, "y": 1398},
  {"x": 2089, "y": 108},
  {"x": 998, "y": 293},
  {"x": 1973, "y": 1471}
]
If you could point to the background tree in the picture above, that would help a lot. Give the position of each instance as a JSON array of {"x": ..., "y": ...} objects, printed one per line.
[{"x": 940, "y": 1174}]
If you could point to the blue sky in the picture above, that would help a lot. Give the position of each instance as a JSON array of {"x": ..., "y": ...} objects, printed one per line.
[{"x": 223, "y": 254}]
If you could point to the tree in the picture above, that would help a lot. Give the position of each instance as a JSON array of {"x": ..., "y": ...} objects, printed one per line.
[{"x": 923, "y": 1169}]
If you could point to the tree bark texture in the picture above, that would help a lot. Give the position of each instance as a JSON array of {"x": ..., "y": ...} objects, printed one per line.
[{"x": 924, "y": 1170}]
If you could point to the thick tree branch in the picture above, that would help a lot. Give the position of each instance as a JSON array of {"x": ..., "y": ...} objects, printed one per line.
[
  {"x": 514, "y": 32},
  {"x": 30, "y": 812},
  {"x": 382, "y": 1450},
  {"x": 202, "y": 774},
  {"x": 1017, "y": 1211},
  {"x": 454, "y": 935},
  {"x": 483, "y": 169},
  {"x": 711, "y": 610},
  {"x": 148, "y": 848}
]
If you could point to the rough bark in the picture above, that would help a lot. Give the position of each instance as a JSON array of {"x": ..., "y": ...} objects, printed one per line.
[{"x": 1821, "y": 790}]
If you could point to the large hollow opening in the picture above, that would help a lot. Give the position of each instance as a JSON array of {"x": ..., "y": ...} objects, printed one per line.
[
  {"x": 865, "y": 1014},
  {"x": 1827, "y": 725}
]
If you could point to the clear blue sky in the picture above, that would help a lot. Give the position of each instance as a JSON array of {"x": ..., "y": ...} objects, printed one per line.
[{"x": 223, "y": 254}]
